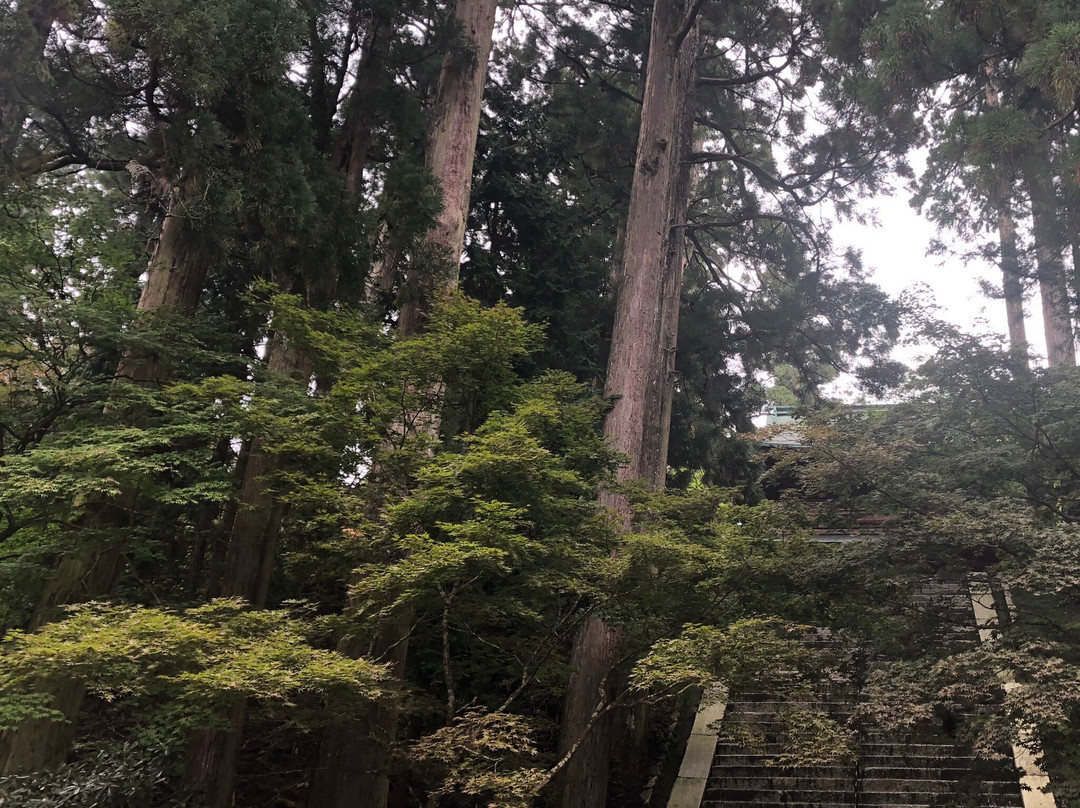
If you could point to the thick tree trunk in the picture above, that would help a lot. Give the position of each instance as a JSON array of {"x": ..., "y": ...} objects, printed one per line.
[
  {"x": 454, "y": 125},
  {"x": 249, "y": 560},
  {"x": 1011, "y": 285},
  {"x": 175, "y": 278},
  {"x": 583, "y": 783},
  {"x": 355, "y": 757},
  {"x": 174, "y": 281},
  {"x": 173, "y": 285},
  {"x": 452, "y": 130},
  {"x": 1050, "y": 266},
  {"x": 43, "y": 744},
  {"x": 646, "y": 314},
  {"x": 640, "y": 364}
]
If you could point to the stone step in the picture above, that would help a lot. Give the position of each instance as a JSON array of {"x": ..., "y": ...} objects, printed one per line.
[
  {"x": 913, "y": 749},
  {"x": 895, "y": 757},
  {"x": 765, "y": 781},
  {"x": 929, "y": 798},
  {"x": 846, "y": 693},
  {"x": 792, "y": 802},
  {"x": 768, "y": 710},
  {"x": 927, "y": 786},
  {"x": 750, "y": 760},
  {"x": 917, "y": 768},
  {"x": 771, "y": 722},
  {"x": 782, "y": 796},
  {"x": 909, "y": 762},
  {"x": 932, "y": 772},
  {"x": 899, "y": 803},
  {"x": 798, "y": 801},
  {"x": 764, "y": 705}
]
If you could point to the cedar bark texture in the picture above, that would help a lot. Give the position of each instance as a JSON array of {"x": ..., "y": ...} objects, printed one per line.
[
  {"x": 641, "y": 361},
  {"x": 1050, "y": 267},
  {"x": 647, "y": 291},
  {"x": 452, "y": 129},
  {"x": 1011, "y": 286},
  {"x": 355, "y": 757},
  {"x": 354, "y": 143}
]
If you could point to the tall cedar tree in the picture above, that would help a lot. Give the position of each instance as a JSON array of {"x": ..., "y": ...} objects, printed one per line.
[
  {"x": 640, "y": 361},
  {"x": 355, "y": 758}
]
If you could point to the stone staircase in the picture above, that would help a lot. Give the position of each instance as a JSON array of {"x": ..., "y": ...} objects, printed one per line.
[{"x": 925, "y": 768}]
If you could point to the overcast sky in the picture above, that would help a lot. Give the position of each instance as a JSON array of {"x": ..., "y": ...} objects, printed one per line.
[{"x": 896, "y": 251}]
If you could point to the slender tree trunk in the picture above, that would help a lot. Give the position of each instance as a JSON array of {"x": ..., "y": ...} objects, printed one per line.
[
  {"x": 654, "y": 450},
  {"x": 640, "y": 363},
  {"x": 1011, "y": 286},
  {"x": 355, "y": 757},
  {"x": 174, "y": 280},
  {"x": 1072, "y": 241},
  {"x": 1050, "y": 267},
  {"x": 1074, "y": 248},
  {"x": 211, "y": 755},
  {"x": 354, "y": 143}
]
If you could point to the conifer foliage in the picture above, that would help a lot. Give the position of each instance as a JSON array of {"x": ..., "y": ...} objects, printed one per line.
[{"x": 366, "y": 368}]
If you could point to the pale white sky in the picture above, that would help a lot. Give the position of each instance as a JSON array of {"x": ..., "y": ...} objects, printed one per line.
[{"x": 896, "y": 252}]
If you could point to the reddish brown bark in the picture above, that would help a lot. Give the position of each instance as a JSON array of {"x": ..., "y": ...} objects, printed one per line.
[
  {"x": 641, "y": 360},
  {"x": 174, "y": 282},
  {"x": 1050, "y": 266},
  {"x": 654, "y": 448},
  {"x": 646, "y": 315},
  {"x": 453, "y": 126},
  {"x": 455, "y": 123},
  {"x": 1012, "y": 288},
  {"x": 583, "y": 783}
]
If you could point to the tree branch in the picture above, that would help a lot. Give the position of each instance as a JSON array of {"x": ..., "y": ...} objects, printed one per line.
[{"x": 688, "y": 22}]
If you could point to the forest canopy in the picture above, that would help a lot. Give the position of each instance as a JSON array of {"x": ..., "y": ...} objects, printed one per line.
[{"x": 380, "y": 382}]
